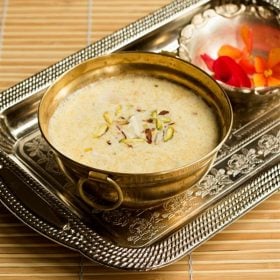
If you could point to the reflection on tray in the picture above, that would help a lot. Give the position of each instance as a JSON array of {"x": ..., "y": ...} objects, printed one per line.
[{"x": 247, "y": 152}]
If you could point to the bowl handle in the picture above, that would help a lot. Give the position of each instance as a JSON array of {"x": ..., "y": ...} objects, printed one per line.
[{"x": 102, "y": 178}]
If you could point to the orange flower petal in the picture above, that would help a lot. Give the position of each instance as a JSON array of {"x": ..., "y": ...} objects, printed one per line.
[
  {"x": 259, "y": 80},
  {"x": 260, "y": 64},
  {"x": 228, "y": 50},
  {"x": 247, "y": 37},
  {"x": 273, "y": 57},
  {"x": 272, "y": 81},
  {"x": 276, "y": 71}
]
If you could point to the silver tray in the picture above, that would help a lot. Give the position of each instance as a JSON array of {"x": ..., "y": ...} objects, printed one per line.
[{"x": 246, "y": 171}]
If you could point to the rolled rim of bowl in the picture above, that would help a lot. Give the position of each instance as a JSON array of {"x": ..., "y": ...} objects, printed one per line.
[
  {"x": 136, "y": 53},
  {"x": 262, "y": 91}
]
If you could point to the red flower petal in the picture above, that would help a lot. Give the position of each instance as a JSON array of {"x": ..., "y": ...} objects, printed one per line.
[
  {"x": 208, "y": 61},
  {"x": 248, "y": 65},
  {"x": 228, "y": 71}
]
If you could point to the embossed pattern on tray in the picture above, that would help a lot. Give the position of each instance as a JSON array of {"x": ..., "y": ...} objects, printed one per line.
[{"x": 238, "y": 159}]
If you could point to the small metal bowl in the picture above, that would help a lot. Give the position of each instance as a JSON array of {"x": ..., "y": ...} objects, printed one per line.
[
  {"x": 99, "y": 187},
  {"x": 219, "y": 25}
]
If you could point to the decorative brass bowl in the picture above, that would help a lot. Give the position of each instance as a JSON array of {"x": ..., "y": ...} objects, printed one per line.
[{"x": 105, "y": 190}]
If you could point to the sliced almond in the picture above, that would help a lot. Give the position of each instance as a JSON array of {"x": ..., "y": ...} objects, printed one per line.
[
  {"x": 107, "y": 118},
  {"x": 158, "y": 137},
  {"x": 134, "y": 126},
  {"x": 102, "y": 129},
  {"x": 168, "y": 134}
]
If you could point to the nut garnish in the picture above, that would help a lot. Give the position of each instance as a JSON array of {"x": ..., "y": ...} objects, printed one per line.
[
  {"x": 121, "y": 131},
  {"x": 149, "y": 136},
  {"x": 118, "y": 110},
  {"x": 168, "y": 134},
  {"x": 163, "y": 112},
  {"x": 132, "y": 140},
  {"x": 107, "y": 118},
  {"x": 102, "y": 129},
  {"x": 166, "y": 120},
  {"x": 154, "y": 115},
  {"x": 159, "y": 125},
  {"x": 136, "y": 125},
  {"x": 122, "y": 121}
]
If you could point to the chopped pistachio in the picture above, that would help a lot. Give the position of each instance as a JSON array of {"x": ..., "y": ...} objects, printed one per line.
[
  {"x": 118, "y": 110},
  {"x": 154, "y": 115},
  {"x": 87, "y": 150},
  {"x": 107, "y": 118},
  {"x": 102, "y": 129},
  {"x": 159, "y": 124},
  {"x": 132, "y": 140},
  {"x": 165, "y": 120},
  {"x": 168, "y": 134},
  {"x": 122, "y": 121}
]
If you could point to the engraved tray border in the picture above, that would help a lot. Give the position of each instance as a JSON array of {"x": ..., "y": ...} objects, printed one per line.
[{"x": 84, "y": 239}]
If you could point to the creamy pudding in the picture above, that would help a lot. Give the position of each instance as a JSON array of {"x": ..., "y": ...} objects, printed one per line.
[{"x": 134, "y": 124}]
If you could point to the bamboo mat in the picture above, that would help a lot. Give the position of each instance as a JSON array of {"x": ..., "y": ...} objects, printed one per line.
[{"x": 37, "y": 33}]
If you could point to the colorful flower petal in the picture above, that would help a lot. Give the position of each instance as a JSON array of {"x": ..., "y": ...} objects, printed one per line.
[
  {"x": 247, "y": 63},
  {"x": 259, "y": 80},
  {"x": 208, "y": 60},
  {"x": 228, "y": 71},
  {"x": 260, "y": 64},
  {"x": 273, "y": 57},
  {"x": 247, "y": 37},
  {"x": 276, "y": 71},
  {"x": 228, "y": 50},
  {"x": 272, "y": 81}
]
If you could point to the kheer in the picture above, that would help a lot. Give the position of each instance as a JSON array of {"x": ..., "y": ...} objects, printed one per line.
[{"x": 134, "y": 124}]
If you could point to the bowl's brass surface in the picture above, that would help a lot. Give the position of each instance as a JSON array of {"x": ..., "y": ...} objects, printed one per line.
[{"x": 135, "y": 190}]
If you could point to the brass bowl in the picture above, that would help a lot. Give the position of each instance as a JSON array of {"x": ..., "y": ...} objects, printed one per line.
[{"x": 99, "y": 187}]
